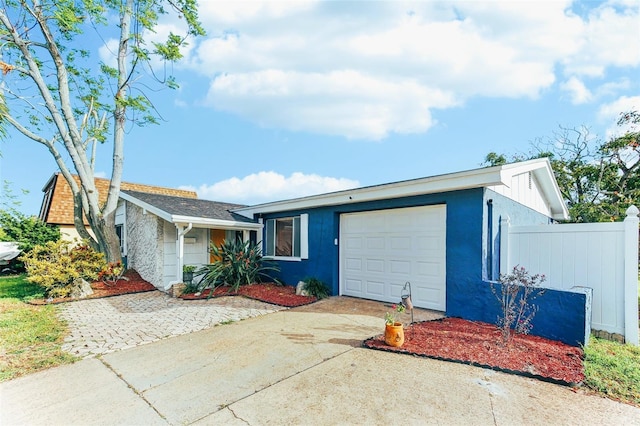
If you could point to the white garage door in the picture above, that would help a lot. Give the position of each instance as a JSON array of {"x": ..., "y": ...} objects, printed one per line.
[{"x": 381, "y": 250}]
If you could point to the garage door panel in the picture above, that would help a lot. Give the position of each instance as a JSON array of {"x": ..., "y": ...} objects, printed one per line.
[
  {"x": 353, "y": 243},
  {"x": 400, "y": 267},
  {"x": 352, "y": 285},
  {"x": 429, "y": 269},
  {"x": 375, "y": 288},
  {"x": 375, "y": 243},
  {"x": 401, "y": 243},
  {"x": 375, "y": 265},
  {"x": 353, "y": 264},
  {"x": 393, "y": 247},
  {"x": 428, "y": 297}
]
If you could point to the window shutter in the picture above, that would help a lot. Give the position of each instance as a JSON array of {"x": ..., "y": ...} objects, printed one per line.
[{"x": 269, "y": 247}]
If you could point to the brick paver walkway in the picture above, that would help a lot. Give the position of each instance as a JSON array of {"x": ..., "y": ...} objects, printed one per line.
[{"x": 99, "y": 326}]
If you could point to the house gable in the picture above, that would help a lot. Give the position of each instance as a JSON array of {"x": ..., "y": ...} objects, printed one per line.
[{"x": 57, "y": 204}]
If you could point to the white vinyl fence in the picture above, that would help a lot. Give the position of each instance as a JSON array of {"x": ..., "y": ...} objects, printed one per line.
[{"x": 602, "y": 256}]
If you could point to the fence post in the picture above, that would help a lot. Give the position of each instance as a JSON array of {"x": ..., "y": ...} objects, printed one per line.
[
  {"x": 504, "y": 245},
  {"x": 631, "y": 276}
]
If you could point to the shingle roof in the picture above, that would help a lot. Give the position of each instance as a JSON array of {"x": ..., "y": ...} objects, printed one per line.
[
  {"x": 57, "y": 205},
  {"x": 190, "y": 207}
]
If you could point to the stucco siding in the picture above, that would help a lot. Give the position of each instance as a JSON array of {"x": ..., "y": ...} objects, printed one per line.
[
  {"x": 499, "y": 208},
  {"x": 463, "y": 240},
  {"x": 145, "y": 244}
]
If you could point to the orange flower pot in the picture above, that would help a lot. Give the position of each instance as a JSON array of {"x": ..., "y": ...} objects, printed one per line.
[{"x": 394, "y": 334}]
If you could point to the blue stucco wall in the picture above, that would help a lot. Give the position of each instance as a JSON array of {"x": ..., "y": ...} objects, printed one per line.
[
  {"x": 471, "y": 246},
  {"x": 562, "y": 315},
  {"x": 463, "y": 240}
]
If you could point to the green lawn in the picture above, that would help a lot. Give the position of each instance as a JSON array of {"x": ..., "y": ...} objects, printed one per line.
[
  {"x": 613, "y": 370},
  {"x": 30, "y": 336}
]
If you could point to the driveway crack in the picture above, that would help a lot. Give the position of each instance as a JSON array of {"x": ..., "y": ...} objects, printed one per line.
[
  {"x": 130, "y": 386},
  {"x": 236, "y": 416}
]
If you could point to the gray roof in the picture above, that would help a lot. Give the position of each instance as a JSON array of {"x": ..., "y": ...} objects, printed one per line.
[{"x": 191, "y": 207}]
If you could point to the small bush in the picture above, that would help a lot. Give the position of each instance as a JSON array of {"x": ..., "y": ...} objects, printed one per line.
[
  {"x": 316, "y": 288},
  {"x": 514, "y": 292},
  {"x": 111, "y": 273},
  {"x": 240, "y": 263},
  {"x": 55, "y": 266}
]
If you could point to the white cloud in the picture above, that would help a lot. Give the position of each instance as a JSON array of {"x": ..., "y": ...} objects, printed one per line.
[
  {"x": 610, "y": 114},
  {"x": 271, "y": 186},
  {"x": 366, "y": 71},
  {"x": 577, "y": 91}
]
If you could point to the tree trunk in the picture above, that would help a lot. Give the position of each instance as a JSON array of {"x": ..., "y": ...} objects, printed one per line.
[{"x": 105, "y": 230}]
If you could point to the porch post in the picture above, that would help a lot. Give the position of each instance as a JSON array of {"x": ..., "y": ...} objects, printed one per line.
[
  {"x": 631, "y": 276},
  {"x": 180, "y": 249}
]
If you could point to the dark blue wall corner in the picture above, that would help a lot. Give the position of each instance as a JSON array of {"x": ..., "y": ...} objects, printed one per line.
[{"x": 562, "y": 315}]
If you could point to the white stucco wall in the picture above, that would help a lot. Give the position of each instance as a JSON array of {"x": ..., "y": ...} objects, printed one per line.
[{"x": 145, "y": 248}]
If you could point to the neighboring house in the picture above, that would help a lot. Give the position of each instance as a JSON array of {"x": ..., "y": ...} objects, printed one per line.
[
  {"x": 57, "y": 204},
  {"x": 161, "y": 233}
]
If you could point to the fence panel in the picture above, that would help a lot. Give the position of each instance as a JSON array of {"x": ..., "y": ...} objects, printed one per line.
[{"x": 595, "y": 255}]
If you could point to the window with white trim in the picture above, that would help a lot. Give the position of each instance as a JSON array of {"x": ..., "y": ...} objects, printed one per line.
[{"x": 286, "y": 237}]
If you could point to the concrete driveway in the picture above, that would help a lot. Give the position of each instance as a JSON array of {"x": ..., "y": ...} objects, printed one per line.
[{"x": 299, "y": 366}]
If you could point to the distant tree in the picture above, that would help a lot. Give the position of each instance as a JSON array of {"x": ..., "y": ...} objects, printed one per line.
[
  {"x": 29, "y": 231},
  {"x": 57, "y": 93},
  {"x": 598, "y": 180}
]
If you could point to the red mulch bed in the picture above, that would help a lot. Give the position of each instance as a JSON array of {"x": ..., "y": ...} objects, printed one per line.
[
  {"x": 282, "y": 295},
  {"x": 477, "y": 343},
  {"x": 133, "y": 283}
]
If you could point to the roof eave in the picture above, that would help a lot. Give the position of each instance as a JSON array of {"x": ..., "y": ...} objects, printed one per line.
[
  {"x": 215, "y": 223},
  {"x": 476, "y": 178}
]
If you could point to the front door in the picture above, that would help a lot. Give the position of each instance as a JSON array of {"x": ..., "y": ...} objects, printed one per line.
[{"x": 216, "y": 238}]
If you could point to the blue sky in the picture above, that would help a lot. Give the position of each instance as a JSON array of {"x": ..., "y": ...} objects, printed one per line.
[{"x": 285, "y": 99}]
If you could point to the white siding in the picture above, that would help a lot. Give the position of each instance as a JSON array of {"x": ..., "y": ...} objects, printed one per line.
[{"x": 525, "y": 189}]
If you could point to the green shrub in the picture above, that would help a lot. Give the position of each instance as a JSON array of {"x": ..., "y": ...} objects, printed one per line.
[
  {"x": 316, "y": 288},
  {"x": 240, "y": 263},
  {"x": 29, "y": 231},
  {"x": 55, "y": 266}
]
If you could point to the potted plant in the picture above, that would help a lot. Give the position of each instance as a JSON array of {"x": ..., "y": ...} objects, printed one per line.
[
  {"x": 187, "y": 273},
  {"x": 393, "y": 331}
]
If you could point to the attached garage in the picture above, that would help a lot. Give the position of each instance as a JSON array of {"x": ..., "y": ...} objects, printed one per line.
[
  {"x": 440, "y": 233},
  {"x": 382, "y": 250}
]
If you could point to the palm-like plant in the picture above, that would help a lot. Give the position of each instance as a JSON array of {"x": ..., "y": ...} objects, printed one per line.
[{"x": 239, "y": 263}]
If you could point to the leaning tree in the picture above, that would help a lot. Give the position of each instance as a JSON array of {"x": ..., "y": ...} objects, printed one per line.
[{"x": 56, "y": 91}]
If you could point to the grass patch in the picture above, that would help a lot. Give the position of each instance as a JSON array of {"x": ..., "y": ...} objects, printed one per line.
[
  {"x": 613, "y": 369},
  {"x": 30, "y": 336},
  {"x": 17, "y": 287}
]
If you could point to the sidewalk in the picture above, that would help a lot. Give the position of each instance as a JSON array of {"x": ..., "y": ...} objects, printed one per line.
[{"x": 299, "y": 366}]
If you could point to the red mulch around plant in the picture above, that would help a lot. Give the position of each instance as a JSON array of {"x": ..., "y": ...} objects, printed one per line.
[
  {"x": 131, "y": 282},
  {"x": 477, "y": 343},
  {"x": 282, "y": 295}
]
